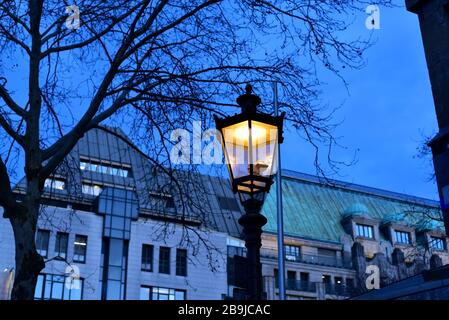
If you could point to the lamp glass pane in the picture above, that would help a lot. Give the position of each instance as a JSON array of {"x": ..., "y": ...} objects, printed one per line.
[
  {"x": 236, "y": 140},
  {"x": 261, "y": 152},
  {"x": 264, "y": 140}
]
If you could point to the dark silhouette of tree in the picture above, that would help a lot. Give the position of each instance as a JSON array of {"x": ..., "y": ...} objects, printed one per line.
[{"x": 151, "y": 66}]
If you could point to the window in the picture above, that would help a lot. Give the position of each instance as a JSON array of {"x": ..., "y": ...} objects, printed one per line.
[
  {"x": 230, "y": 204},
  {"x": 113, "y": 280},
  {"x": 170, "y": 203},
  {"x": 350, "y": 282},
  {"x": 105, "y": 168},
  {"x": 326, "y": 279},
  {"x": 338, "y": 281},
  {"x": 91, "y": 189},
  {"x": 304, "y": 276},
  {"x": 80, "y": 249},
  {"x": 161, "y": 201},
  {"x": 54, "y": 184},
  {"x": 365, "y": 231},
  {"x": 181, "y": 262},
  {"x": 164, "y": 260},
  {"x": 42, "y": 239},
  {"x": 292, "y": 253},
  {"x": 436, "y": 243},
  {"x": 147, "y": 258},
  {"x": 402, "y": 237},
  {"x": 236, "y": 251},
  {"x": 159, "y": 293},
  {"x": 58, "y": 287},
  {"x": 62, "y": 241},
  {"x": 291, "y": 280},
  {"x": 327, "y": 256}
]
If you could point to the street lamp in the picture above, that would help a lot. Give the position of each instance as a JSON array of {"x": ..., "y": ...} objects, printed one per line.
[{"x": 250, "y": 142}]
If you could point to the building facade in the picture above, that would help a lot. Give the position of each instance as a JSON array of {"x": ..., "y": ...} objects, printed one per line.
[{"x": 115, "y": 226}]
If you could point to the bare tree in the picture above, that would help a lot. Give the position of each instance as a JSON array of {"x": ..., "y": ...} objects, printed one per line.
[{"x": 154, "y": 65}]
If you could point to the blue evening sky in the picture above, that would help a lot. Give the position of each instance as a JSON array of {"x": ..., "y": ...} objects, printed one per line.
[{"x": 386, "y": 114}]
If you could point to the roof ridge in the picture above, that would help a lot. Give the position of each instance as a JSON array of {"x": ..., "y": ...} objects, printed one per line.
[{"x": 358, "y": 187}]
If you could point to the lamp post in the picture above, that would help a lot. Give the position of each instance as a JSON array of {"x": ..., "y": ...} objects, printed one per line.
[{"x": 250, "y": 142}]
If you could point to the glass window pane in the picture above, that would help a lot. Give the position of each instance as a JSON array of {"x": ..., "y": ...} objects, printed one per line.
[
  {"x": 57, "y": 289},
  {"x": 113, "y": 290},
  {"x": 77, "y": 289},
  {"x": 365, "y": 231},
  {"x": 80, "y": 248},
  {"x": 116, "y": 252},
  {"x": 164, "y": 260},
  {"x": 179, "y": 295},
  {"x": 181, "y": 262},
  {"x": 48, "y": 286},
  {"x": 42, "y": 240},
  {"x": 144, "y": 293},
  {"x": 61, "y": 244},
  {"x": 147, "y": 258},
  {"x": 39, "y": 287}
]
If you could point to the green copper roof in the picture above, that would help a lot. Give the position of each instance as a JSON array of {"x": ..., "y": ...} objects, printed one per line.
[{"x": 313, "y": 209}]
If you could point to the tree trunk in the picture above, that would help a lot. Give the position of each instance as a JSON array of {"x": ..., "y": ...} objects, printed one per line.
[{"x": 28, "y": 262}]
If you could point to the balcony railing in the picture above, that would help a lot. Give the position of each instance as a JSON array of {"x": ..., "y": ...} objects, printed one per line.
[
  {"x": 307, "y": 286},
  {"x": 339, "y": 289},
  {"x": 309, "y": 258},
  {"x": 298, "y": 285}
]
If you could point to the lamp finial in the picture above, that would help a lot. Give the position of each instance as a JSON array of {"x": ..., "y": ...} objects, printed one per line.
[
  {"x": 249, "y": 89},
  {"x": 248, "y": 101}
]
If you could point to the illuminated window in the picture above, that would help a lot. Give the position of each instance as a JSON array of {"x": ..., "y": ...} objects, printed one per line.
[
  {"x": 105, "y": 168},
  {"x": 436, "y": 243},
  {"x": 54, "y": 184},
  {"x": 292, "y": 253},
  {"x": 326, "y": 279},
  {"x": 91, "y": 189},
  {"x": 80, "y": 249},
  {"x": 402, "y": 237},
  {"x": 365, "y": 231},
  {"x": 338, "y": 281}
]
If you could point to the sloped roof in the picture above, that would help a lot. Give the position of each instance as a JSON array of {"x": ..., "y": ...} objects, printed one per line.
[{"x": 313, "y": 208}]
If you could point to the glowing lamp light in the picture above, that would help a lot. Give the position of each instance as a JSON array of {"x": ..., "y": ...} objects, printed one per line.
[{"x": 250, "y": 142}]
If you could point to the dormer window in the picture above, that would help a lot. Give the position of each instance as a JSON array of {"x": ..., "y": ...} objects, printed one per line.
[
  {"x": 402, "y": 237},
  {"x": 292, "y": 253},
  {"x": 436, "y": 243},
  {"x": 54, "y": 184},
  {"x": 91, "y": 189},
  {"x": 105, "y": 167},
  {"x": 365, "y": 231},
  {"x": 159, "y": 200}
]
